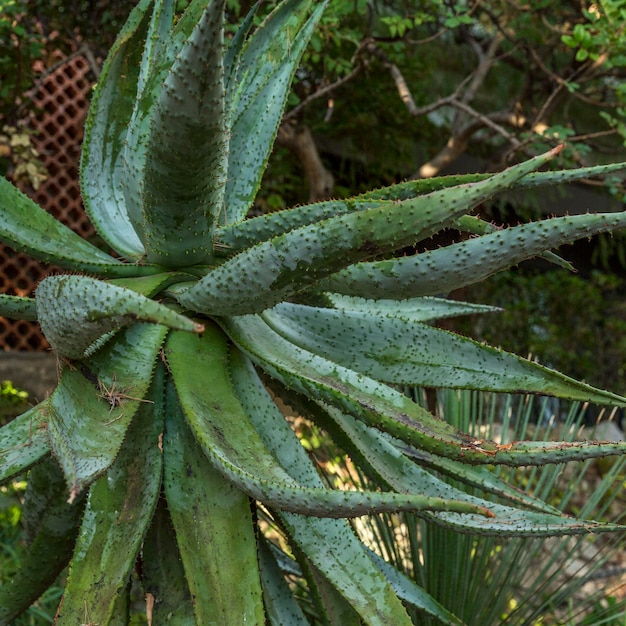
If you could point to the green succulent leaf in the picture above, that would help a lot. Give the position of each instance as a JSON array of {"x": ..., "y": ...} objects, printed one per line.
[
  {"x": 266, "y": 66},
  {"x": 412, "y": 188},
  {"x": 280, "y": 439},
  {"x": 270, "y": 272},
  {"x": 24, "y": 442},
  {"x": 280, "y": 605},
  {"x": 213, "y": 525},
  {"x": 167, "y": 595},
  {"x": 445, "y": 269},
  {"x": 179, "y": 205},
  {"x": 50, "y": 547},
  {"x": 415, "y": 309},
  {"x": 119, "y": 508},
  {"x": 92, "y": 407},
  {"x": 27, "y": 227},
  {"x": 237, "y": 450},
  {"x": 77, "y": 312},
  {"x": 18, "y": 308},
  {"x": 106, "y": 133},
  {"x": 396, "y": 349},
  {"x": 395, "y": 469},
  {"x": 380, "y": 406}
]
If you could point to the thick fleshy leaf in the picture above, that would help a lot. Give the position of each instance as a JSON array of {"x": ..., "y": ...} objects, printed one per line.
[
  {"x": 238, "y": 236},
  {"x": 119, "y": 508},
  {"x": 380, "y": 406},
  {"x": 281, "y": 440},
  {"x": 23, "y": 442},
  {"x": 235, "y": 237},
  {"x": 184, "y": 173},
  {"x": 388, "y": 463},
  {"x": 415, "y": 309},
  {"x": 411, "y": 594},
  {"x": 91, "y": 409},
  {"x": 280, "y": 605},
  {"x": 270, "y": 272},
  {"x": 267, "y": 65},
  {"x": 396, "y": 349},
  {"x": 106, "y": 131},
  {"x": 412, "y": 188},
  {"x": 18, "y": 308},
  {"x": 212, "y": 520},
  {"x": 444, "y": 269},
  {"x": 232, "y": 444},
  {"x": 78, "y": 313},
  {"x": 51, "y": 546},
  {"x": 168, "y": 600},
  {"x": 25, "y": 226}
]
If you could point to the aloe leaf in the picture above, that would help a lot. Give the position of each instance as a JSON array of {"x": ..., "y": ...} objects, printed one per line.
[
  {"x": 23, "y": 442},
  {"x": 220, "y": 565},
  {"x": 238, "y": 236},
  {"x": 400, "y": 473},
  {"x": 280, "y": 605},
  {"x": 333, "y": 549},
  {"x": 282, "y": 442},
  {"x": 76, "y": 311},
  {"x": 411, "y": 594},
  {"x": 119, "y": 508},
  {"x": 380, "y": 406},
  {"x": 414, "y": 309},
  {"x": 444, "y": 269},
  {"x": 185, "y": 167},
  {"x": 25, "y": 226},
  {"x": 236, "y": 449},
  {"x": 399, "y": 350},
  {"x": 412, "y": 188},
  {"x": 92, "y": 407},
  {"x": 51, "y": 548},
  {"x": 271, "y": 271},
  {"x": 150, "y": 286},
  {"x": 167, "y": 595},
  {"x": 18, "y": 308},
  {"x": 106, "y": 131},
  {"x": 269, "y": 59}
]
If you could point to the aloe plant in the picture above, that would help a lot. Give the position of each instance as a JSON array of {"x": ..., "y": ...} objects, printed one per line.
[{"x": 162, "y": 460}]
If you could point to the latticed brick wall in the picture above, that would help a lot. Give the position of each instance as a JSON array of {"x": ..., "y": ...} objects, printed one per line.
[{"x": 61, "y": 103}]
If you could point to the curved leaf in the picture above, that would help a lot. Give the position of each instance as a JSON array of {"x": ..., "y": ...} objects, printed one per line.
[
  {"x": 380, "y": 406},
  {"x": 119, "y": 508},
  {"x": 220, "y": 563},
  {"x": 50, "y": 548},
  {"x": 91, "y": 409},
  {"x": 76, "y": 312},
  {"x": 394, "y": 468},
  {"x": 184, "y": 172},
  {"x": 394, "y": 348},
  {"x": 23, "y": 442},
  {"x": 26, "y": 227},
  {"x": 279, "y": 437},
  {"x": 267, "y": 64},
  {"x": 414, "y": 309},
  {"x": 444, "y": 269},
  {"x": 232, "y": 444},
  {"x": 271, "y": 271},
  {"x": 106, "y": 131}
]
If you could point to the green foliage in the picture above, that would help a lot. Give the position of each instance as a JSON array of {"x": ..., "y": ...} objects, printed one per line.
[
  {"x": 12, "y": 401},
  {"x": 165, "y": 441}
]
